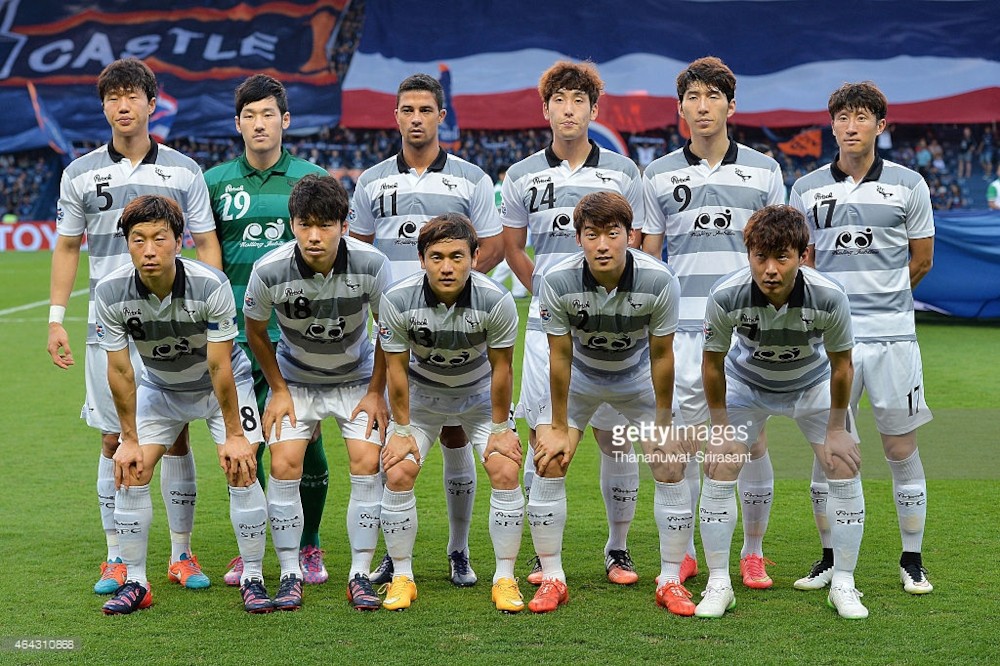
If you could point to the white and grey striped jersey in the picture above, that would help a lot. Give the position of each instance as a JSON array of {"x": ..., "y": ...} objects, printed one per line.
[
  {"x": 171, "y": 335},
  {"x": 540, "y": 193},
  {"x": 448, "y": 345},
  {"x": 610, "y": 330},
  {"x": 393, "y": 202},
  {"x": 323, "y": 319},
  {"x": 780, "y": 350},
  {"x": 96, "y": 187},
  {"x": 701, "y": 212},
  {"x": 861, "y": 232}
]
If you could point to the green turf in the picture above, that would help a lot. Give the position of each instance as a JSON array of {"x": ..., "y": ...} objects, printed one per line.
[{"x": 50, "y": 544}]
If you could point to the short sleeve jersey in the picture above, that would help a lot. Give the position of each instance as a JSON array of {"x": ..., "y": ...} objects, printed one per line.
[
  {"x": 993, "y": 192},
  {"x": 448, "y": 345},
  {"x": 251, "y": 215},
  {"x": 171, "y": 335},
  {"x": 861, "y": 232},
  {"x": 701, "y": 212},
  {"x": 97, "y": 186},
  {"x": 540, "y": 193},
  {"x": 323, "y": 319},
  {"x": 393, "y": 202},
  {"x": 780, "y": 350},
  {"x": 610, "y": 330}
]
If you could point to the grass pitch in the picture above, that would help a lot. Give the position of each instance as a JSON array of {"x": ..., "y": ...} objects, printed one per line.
[{"x": 51, "y": 544}]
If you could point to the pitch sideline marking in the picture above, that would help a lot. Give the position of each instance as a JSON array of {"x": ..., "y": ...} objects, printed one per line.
[{"x": 28, "y": 306}]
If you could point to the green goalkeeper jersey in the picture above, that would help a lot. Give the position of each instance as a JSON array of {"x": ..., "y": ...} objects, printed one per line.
[{"x": 251, "y": 216}]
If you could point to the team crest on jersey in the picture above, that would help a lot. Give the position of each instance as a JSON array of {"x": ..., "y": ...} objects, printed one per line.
[
  {"x": 249, "y": 301},
  {"x": 227, "y": 323},
  {"x": 544, "y": 313},
  {"x": 99, "y": 330},
  {"x": 708, "y": 331},
  {"x": 744, "y": 177},
  {"x": 164, "y": 176},
  {"x": 60, "y": 214},
  {"x": 384, "y": 333}
]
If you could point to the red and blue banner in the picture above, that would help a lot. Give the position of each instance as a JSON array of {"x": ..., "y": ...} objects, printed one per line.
[
  {"x": 938, "y": 61},
  {"x": 199, "y": 51}
]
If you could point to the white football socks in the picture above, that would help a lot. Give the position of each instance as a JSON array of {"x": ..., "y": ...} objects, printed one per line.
[
  {"x": 692, "y": 474},
  {"x": 909, "y": 489},
  {"x": 506, "y": 526},
  {"x": 248, "y": 513},
  {"x": 133, "y": 516},
  {"x": 547, "y": 519},
  {"x": 674, "y": 521},
  {"x": 620, "y": 488},
  {"x": 284, "y": 512},
  {"x": 717, "y": 521},
  {"x": 399, "y": 527},
  {"x": 460, "y": 491},
  {"x": 755, "y": 487},
  {"x": 179, "y": 491},
  {"x": 819, "y": 490},
  {"x": 846, "y": 515},
  {"x": 363, "y": 513},
  {"x": 106, "y": 502}
]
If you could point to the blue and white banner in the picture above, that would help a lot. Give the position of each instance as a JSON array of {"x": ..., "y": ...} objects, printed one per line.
[{"x": 936, "y": 60}]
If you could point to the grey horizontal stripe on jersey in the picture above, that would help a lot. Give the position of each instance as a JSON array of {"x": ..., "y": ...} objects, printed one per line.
[
  {"x": 693, "y": 242},
  {"x": 558, "y": 242},
  {"x": 106, "y": 245},
  {"x": 715, "y": 198},
  {"x": 471, "y": 375},
  {"x": 327, "y": 345},
  {"x": 784, "y": 337},
  {"x": 426, "y": 205},
  {"x": 795, "y": 382},
  {"x": 852, "y": 259},
  {"x": 297, "y": 369},
  {"x": 168, "y": 330},
  {"x": 617, "y": 367},
  {"x": 885, "y": 303},
  {"x": 858, "y": 215}
]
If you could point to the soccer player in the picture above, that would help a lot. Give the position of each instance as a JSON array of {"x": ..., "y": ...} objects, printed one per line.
[
  {"x": 610, "y": 313},
  {"x": 321, "y": 287},
  {"x": 785, "y": 316},
  {"x": 502, "y": 271},
  {"x": 698, "y": 199},
  {"x": 873, "y": 231},
  {"x": 181, "y": 317},
  {"x": 539, "y": 195},
  {"x": 249, "y": 197},
  {"x": 93, "y": 191},
  {"x": 448, "y": 335},
  {"x": 392, "y": 201}
]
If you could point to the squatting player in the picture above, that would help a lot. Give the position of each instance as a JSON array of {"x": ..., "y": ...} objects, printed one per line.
[
  {"x": 873, "y": 231},
  {"x": 321, "y": 287},
  {"x": 249, "y": 197},
  {"x": 698, "y": 199},
  {"x": 610, "y": 313},
  {"x": 93, "y": 191},
  {"x": 448, "y": 335},
  {"x": 792, "y": 358},
  {"x": 181, "y": 317},
  {"x": 392, "y": 201},
  {"x": 539, "y": 194}
]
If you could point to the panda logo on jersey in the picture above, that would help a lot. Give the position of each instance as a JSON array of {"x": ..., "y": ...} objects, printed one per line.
[
  {"x": 718, "y": 224},
  {"x": 331, "y": 332},
  {"x": 171, "y": 351},
  {"x": 448, "y": 359},
  {"x": 855, "y": 242}
]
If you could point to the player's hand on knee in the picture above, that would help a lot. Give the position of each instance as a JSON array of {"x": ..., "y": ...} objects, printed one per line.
[
  {"x": 552, "y": 447},
  {"x": 58, "y": 346},
  {"x": 278, "y": 407},
  {"x": 506, "y": 444},
  {"x": 840, "y": 452},
  {"x": 397, "y": 448},
  {"x": 128, "y": 464},
  {"x": 375, "y": 406},
  {"x": 239, "y": 461}
]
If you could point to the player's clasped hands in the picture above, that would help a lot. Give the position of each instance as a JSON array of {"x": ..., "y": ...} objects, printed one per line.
[
  {"x": 128, "y": 464},
  {"x": 238, "y": 461},
  {"x": 552, "y": 447},
  {"x": 506, "y": 444},
  {"x": 278, "y": 407},
  {"x": 397, "y": 448}
]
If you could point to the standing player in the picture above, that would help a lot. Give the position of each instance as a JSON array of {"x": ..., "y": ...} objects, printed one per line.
[
  {"x": 181, "y": 317},
  {"x": 93, "y": 191},
  {"x": 610, "y": 313},
  {"x": 873, "y": 231},
  {"x": 785, "y": 316},
  {"x": 392, "y": 201},
  {"x": 321, "y": 287},
  {"x": 698, "y": 199},
  {"x": 502, "y": 271},
  {"x": 249, "y": 197},
  {"x": 448, "y": 335},
  {"x": 539, "y": 195}
]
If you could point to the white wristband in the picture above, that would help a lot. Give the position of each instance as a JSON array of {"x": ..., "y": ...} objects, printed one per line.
[
  {"x": 499, "y": 428},
  {"x": 402, "y": 430},
  {"x": 56, "y": 314}
]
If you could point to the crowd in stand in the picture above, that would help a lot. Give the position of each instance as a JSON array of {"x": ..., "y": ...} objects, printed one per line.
[{"x": 955, "y": 162}]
